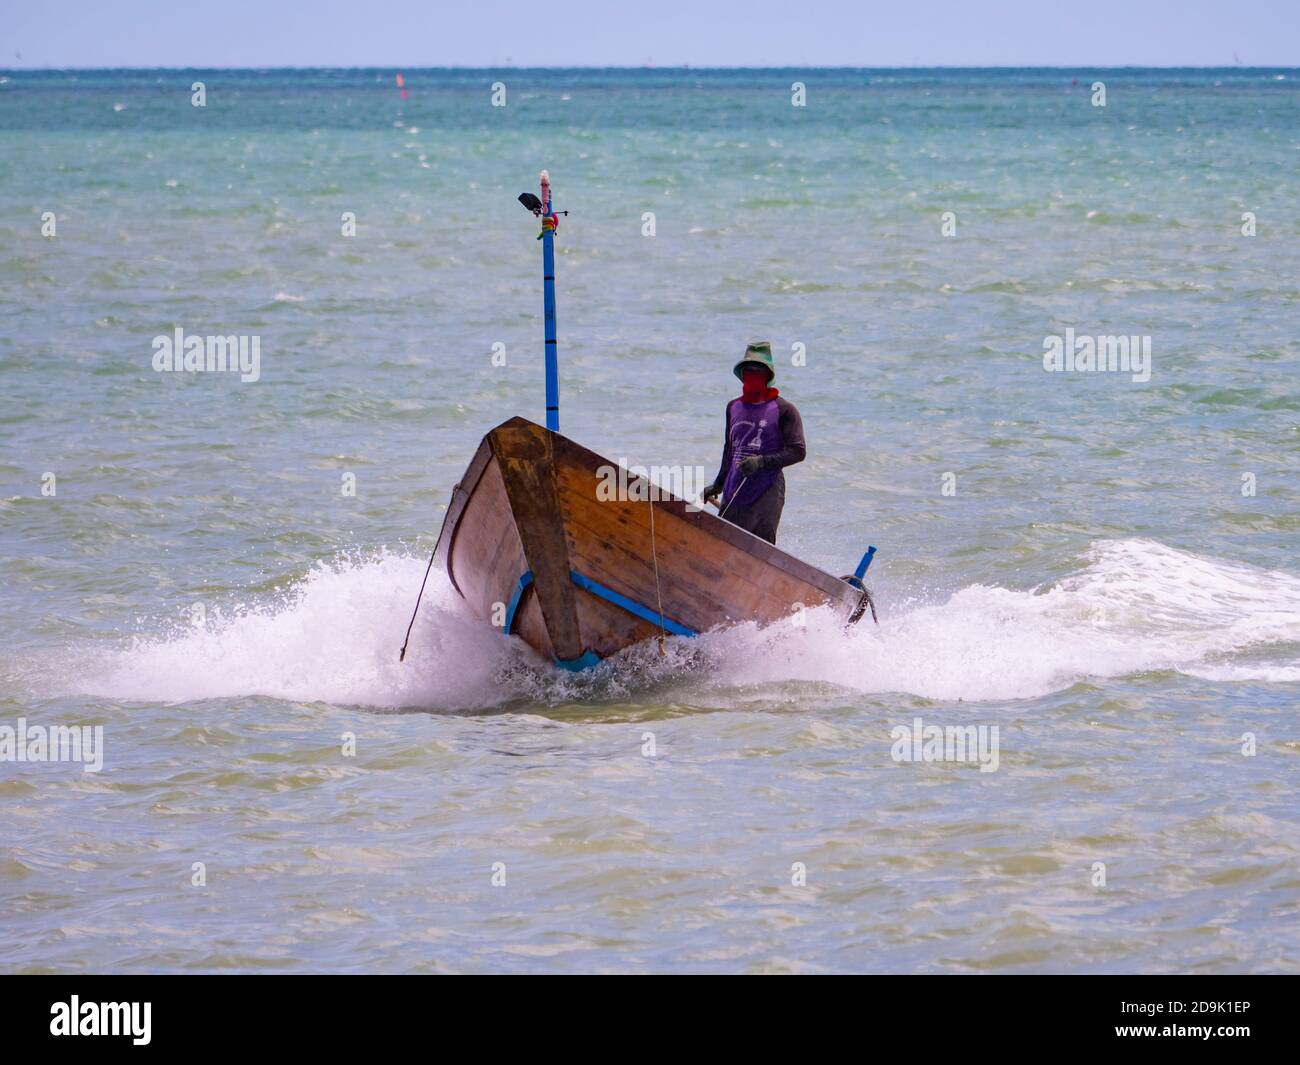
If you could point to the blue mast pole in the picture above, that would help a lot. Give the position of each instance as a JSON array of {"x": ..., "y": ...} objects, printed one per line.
[{"x": 549, "y": 221}]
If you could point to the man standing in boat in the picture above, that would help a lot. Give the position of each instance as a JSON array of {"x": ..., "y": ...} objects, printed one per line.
[{"x": 764, "y": 434}]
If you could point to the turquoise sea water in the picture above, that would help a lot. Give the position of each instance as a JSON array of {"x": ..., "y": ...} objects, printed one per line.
[{"x": 1096, "y": 581}]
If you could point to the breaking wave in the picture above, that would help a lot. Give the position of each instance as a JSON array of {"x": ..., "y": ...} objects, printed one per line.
[{"x": 1135, "y": 606}]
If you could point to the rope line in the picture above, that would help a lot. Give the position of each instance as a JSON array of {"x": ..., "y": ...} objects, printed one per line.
[
  {"x": 739, "y": 487},
  {"x": 402, "y": 657}
]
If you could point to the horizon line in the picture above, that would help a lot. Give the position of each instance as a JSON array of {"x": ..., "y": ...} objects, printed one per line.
[{"x": 664, "y": 67}]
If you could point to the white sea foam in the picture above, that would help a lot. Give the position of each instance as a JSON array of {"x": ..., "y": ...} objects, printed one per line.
[
  {"x": 1136, "y": 606},
  {"x": 332, "y": 637},
  {"x": 1133, "y": 607}
]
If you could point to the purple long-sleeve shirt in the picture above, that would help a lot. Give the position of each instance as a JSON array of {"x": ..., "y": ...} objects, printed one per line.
[{"x": 793, "y": 446}]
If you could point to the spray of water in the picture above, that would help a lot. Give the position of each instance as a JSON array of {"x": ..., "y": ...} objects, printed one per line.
[{"x": 1133, "y": 607}]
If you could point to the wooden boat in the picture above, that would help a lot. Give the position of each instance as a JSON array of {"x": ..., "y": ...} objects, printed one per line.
[{"x": 536, "y": 550}]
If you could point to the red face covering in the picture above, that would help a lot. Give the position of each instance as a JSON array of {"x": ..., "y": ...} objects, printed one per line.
[{"x": 753, "y": 382}]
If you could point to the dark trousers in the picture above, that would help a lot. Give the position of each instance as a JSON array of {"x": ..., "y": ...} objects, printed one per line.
[{"x": 762, "y": 516}]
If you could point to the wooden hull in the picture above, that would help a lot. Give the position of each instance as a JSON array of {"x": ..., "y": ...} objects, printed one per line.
[{"x": 534, "y": 550}]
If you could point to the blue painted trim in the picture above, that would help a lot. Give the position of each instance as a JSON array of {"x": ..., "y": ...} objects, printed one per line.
[
  {"x": 630, "y": 605},
  {"x": 584, "y": 661},
  {"x": 524, "y": 581}
]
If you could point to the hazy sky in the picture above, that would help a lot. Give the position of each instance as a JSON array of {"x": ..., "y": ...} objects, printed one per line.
[{"x": 413, "y": 33}]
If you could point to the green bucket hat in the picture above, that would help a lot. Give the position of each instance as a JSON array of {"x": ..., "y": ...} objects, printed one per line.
[{"x": 760, "y": 354}]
